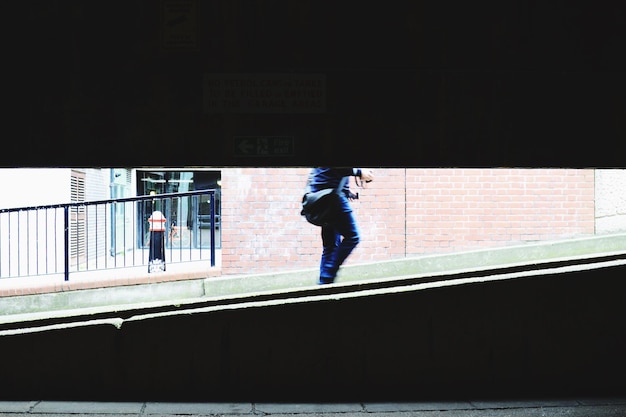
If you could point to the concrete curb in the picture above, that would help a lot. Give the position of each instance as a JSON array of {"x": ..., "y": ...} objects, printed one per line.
[
  {"x": 427, "y": 264},
  {"x": 94, "y": 301},
  {"x": 547, "y": 407}
]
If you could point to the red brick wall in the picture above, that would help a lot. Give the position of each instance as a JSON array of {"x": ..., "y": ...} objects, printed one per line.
[
  {"x": 451, "y": 209},
  {"x": 262, "y": 229},
  {"x": 403, "y": 212}
]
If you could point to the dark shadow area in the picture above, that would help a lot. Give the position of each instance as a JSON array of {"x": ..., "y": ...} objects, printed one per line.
[
  {"x": 441, "y": 84},
  {"x": 558, "y": 334}
]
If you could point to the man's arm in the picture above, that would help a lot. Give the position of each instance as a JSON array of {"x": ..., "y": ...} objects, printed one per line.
[{"x": 366, "y": 174}]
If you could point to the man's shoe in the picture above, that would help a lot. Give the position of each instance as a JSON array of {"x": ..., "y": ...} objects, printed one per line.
[{"x": 324, "y": 281}]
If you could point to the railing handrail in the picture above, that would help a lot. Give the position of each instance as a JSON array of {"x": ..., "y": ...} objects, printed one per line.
[
  {"x": 69, "y": 207},
  {"x": 112, "y": 200}
]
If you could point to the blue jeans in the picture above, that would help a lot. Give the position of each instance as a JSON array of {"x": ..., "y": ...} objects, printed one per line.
[{"x": 338, "y": 241}]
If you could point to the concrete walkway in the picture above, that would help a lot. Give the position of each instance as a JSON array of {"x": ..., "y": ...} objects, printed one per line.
[
  {"x": 575, "y": 407},
  {"x": 190, "y": 283}
]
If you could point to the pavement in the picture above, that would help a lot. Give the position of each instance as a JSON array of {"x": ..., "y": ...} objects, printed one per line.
[{"x": 574, "y": 407}]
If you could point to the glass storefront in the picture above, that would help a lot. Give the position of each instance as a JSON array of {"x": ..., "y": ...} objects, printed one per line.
[
  {"x": 120, "y": 216},
  {"x": 188, "y": 218}
]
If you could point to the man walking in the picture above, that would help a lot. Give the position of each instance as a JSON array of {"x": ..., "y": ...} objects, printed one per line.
[{"x": 340, "y": 236}]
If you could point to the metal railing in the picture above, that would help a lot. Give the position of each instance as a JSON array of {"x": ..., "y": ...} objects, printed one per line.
[{"x": 106, "y": 234}]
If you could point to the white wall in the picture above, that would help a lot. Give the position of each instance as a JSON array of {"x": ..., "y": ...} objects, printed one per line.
[
  {"x": 24, "y": 187},
  {"x": 30, "y": 240},
  {"x": 610, "y": 200}
]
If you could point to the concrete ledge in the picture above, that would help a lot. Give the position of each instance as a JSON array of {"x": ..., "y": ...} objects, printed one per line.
[
  {"x": 521, "y": 255},
  {"x": 48, "y": 303},
  {"x": 192, "y": 287}
]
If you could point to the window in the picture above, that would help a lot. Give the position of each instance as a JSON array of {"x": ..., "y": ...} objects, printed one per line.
[
  {"x": 78, "y": 235},
  {"x": 188, "y": 217}
]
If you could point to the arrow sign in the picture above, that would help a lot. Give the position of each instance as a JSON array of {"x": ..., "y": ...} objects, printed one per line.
[
  {"x": 246, "y": 146},
  {"x": 270, "y": 146}
]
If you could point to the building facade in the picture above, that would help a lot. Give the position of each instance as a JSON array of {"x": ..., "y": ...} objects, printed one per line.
[{"x": 404, "y": 212}]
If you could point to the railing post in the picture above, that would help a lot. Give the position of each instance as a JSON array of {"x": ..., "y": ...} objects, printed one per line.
[
  {"x": 212, "y": 232},
  {"x": 66, "y": 232}
]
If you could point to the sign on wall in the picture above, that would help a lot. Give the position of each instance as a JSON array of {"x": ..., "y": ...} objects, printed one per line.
[
  {"x": 264, "y": 93},
  {"x": 264, "y": 146},
  {"x": 179, "y": 24}
]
